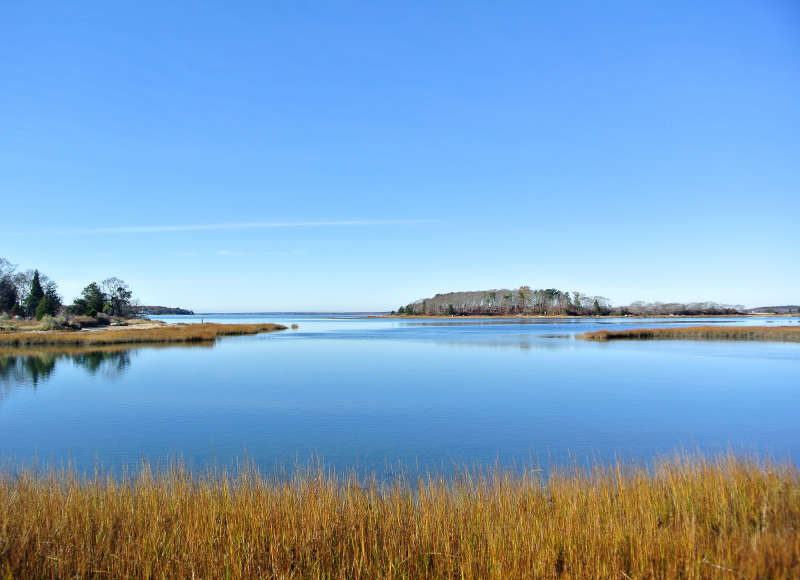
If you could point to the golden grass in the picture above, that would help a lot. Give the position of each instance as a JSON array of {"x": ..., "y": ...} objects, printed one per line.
[
  {"x": 123, "y": 335},
  {"x": 20, "y": 325},
  {"x": 767, "y": 333},
  {"x": 687, "y": 518}
]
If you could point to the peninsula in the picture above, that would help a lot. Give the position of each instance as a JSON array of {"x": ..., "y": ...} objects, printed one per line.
[
  {"x": 161, "y": 310},
  {"x": 33, "y": 313}
]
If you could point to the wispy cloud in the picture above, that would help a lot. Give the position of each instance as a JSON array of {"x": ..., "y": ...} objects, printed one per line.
[
  {"x": 224, "y": 253},
  {"x": 231, "y": 253},
  {"x": 153, "y": 229}
]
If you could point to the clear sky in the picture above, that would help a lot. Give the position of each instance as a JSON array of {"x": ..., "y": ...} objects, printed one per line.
[{"x": 235, "y": 156}]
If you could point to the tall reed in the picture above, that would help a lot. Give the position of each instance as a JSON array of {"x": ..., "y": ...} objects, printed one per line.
[{"x": 690, "y": 517}]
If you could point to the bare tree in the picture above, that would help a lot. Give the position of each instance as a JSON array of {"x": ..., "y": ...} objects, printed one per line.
[{"x": 118, "y": 295}]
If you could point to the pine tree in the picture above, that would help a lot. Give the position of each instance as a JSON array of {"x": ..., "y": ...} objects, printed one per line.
[
  {"x": 54, "y": 300},
  {"x": 45, "y": 307},
  {"x": 34, "y": 296},
  {"x": 8, "y": 294},
  {"x": 91, "y": 302}
]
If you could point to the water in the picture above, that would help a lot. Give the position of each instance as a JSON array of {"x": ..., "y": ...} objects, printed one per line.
[{"x": 372, "y": 394}]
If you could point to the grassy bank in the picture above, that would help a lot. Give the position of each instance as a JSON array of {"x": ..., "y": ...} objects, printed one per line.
[
  {"x": 132, "y": 335},
  {"x": 690, "y": 518},
  {"x": 767, "y": 333}
]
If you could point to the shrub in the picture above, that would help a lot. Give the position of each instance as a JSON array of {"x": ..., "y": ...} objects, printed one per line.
[
  {"x": 79, "y": 322},
  {"x": 47, "y": 322}
]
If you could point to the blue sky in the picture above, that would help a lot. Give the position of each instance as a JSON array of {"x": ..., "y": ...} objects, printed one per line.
[{"x": 358, "y": 156}]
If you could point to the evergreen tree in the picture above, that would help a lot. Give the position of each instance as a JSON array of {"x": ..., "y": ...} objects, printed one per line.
[
  {"x": 45, "y": 307},
  {"x": 8, "y": 294},
  {"x": 34, "y": 296},
  {"x": 54, "y": 300},
  {"x": 50, "y": 302},
  {"x": 94, "y": 299}
]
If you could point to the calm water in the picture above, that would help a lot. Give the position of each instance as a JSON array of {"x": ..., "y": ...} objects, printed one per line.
[{"x": 370, "y": 394}]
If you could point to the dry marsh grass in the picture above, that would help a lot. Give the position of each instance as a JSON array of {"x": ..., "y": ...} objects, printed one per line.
[
  {"x": 125, "y": 335},
  {"x": 686, "y": 518},
  {"x": 763, "y": 333}
]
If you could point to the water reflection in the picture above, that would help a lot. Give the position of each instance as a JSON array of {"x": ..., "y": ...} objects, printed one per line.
[
  {"x": 112, "y": 364},
  {"x": 32, "y": 368},
  {"x": 26, "y": 369},
  {"x": 522, "y": 342}
]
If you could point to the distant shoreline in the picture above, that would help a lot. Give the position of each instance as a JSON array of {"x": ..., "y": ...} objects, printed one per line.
[
  {"x": 363, "y": 315},
  {"x": 584, "y": 317}
]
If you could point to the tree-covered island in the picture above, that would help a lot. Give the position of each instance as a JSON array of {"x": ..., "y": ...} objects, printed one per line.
[{"x": 552, "y": 302}]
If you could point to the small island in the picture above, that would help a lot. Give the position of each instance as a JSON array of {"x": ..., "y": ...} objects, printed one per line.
[{"x": 551, "y": 302}]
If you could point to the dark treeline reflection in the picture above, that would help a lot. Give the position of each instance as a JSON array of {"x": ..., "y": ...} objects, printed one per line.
[
  {"x": 35, "y": 368},
  {"x": 111, "y": 363}
]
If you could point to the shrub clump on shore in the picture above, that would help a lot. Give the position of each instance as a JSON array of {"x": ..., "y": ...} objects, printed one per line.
[{"x": 687, "y": 518}]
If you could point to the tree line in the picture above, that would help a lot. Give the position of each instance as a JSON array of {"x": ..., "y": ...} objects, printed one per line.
[
  {"x": 551, "y": 302},
  {"x": 31, "y": 294}
]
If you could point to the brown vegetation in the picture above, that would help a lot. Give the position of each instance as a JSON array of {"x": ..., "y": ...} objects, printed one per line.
[
  {"x": 688, "y": 518},
  {"x": 124, "y": 335},
  {"x": 765, "y": 333}
]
